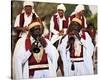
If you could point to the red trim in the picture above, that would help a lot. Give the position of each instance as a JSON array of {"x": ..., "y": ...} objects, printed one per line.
[
  {"x": 79, "y": 61},
  {"x": 83, "y": 35},
  {"x": 56, "y": 26},
  {"x": 21, "y": 21},
  {"x": 72, "y": 55},
  {"x": 28, "y": 43},
  {"x": 65, "y": 22},
  {"x": 83, "y": 22},
  {"x": 44, "y": 60},
  {"x": 32, "y": 61},
  {"x": 31, "y": 71}
]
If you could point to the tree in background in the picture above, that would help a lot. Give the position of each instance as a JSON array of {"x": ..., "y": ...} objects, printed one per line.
[
  {"x": 93, "y": 20},
  {"x": 88, "y": 12}
]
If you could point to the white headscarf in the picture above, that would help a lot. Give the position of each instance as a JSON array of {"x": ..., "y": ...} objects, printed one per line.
[
  {"x": 78, "y": 9},
  {"x": 28, "y": 3},
  {"x": 31, "y": 4},
  {"x": 62, "y": 7}
]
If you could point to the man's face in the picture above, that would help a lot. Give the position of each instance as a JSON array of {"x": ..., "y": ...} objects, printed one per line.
[
  {"x": 36, "y": 32},
  {"x": 81, "y": 13},
  {"x": 61, "y": 13},
  {"x": 28, "y": 9},
  {"x": 74, "y": 30},
  {"x": 74, "y": 33}
]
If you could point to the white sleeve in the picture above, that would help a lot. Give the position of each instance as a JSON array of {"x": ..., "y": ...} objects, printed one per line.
[
  {"x": 52, "y": 53},
  {"x": 85, "y": 24},
  {"x": 63, "y": 51},
  {"x": 17, "y": 21},
  {"x": 52, "y": 27},
  {"x": 63, "y": 43},
  {"x": 89, "y": 47},
  {"x": 17, "y": 69},
  {"x": 88, "y": 53},
  {"x": 19, "y": 58}
]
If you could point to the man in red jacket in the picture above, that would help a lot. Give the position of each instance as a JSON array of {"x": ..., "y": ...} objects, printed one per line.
[
  {"x": 58, "y": 23},
  {"x": 27, "y": 16}
]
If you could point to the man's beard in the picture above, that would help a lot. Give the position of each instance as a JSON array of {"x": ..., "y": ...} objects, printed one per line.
[
  {"x": 71, "y": 39},
  {"x": 77, "y": 35},
  {"x": 36, "y": 36}
]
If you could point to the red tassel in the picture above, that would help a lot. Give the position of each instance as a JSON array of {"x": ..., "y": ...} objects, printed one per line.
[{"x": 28, "y": 43}]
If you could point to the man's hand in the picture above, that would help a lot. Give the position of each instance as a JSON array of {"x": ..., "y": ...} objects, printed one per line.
[
  {"x": 43, "y": 42},
  {"x": 61, "y": 32},
  {"x": 24, "y": 29}
]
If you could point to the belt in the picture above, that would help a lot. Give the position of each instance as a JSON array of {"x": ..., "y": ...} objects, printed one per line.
[
  {"x": 39, "y": 66},
  {"x": 78, "y": 61}
]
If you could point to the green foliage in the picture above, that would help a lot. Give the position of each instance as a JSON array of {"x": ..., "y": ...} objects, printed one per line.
[
  {"x": 93, "y": 19},
  {"x": 88, "y": 13},
  {"x": 69, "y": 9}
]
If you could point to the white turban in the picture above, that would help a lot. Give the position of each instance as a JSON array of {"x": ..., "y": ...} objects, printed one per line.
[
  {"x": 62, "y": 7},
  {"x": 28, "y": 3},
  {"x": 79, "y": 8},
  {"x": 31, "y": 4}
]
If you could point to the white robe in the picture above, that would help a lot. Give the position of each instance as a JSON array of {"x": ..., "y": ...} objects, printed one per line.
[
  {"x": 20, "y": 61},
  {"x": 55, "y": 35},
  {"x": 81, "y": 68}
]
